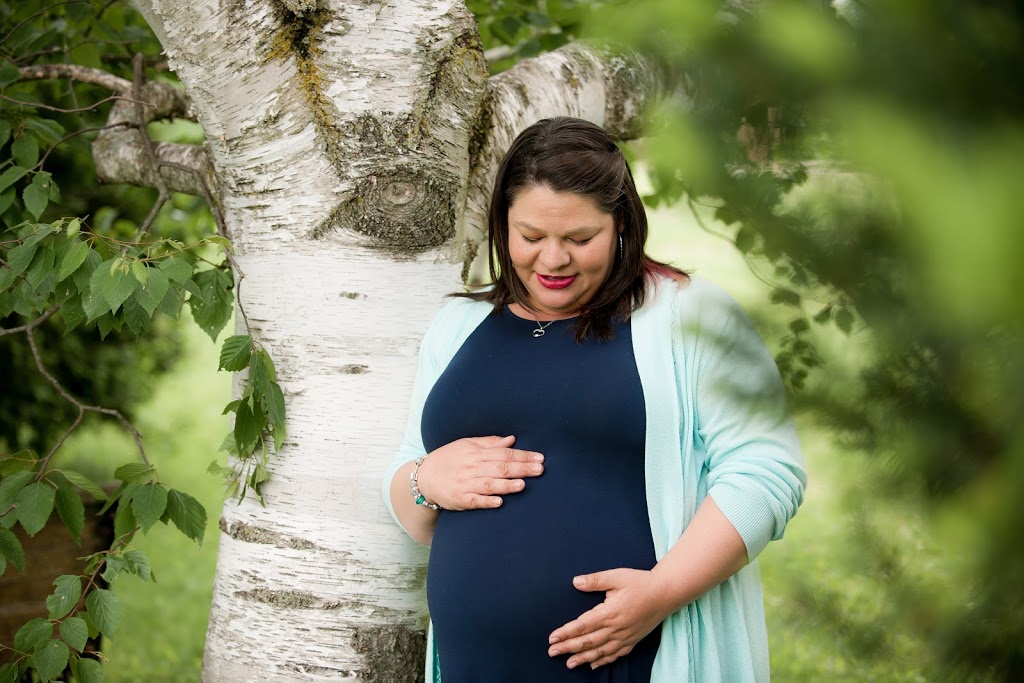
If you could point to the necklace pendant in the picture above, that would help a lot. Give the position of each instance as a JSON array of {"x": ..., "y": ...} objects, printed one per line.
[{"x": 539, "y": 332}]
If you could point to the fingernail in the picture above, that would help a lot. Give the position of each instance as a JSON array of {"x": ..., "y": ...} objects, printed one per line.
[
  {"x": 553, "y": 652},
  {"x": 553, "y": 639},
  {"x": 538, "y": 457},
  {"x": 579, "y": 582},
  {"x": 593, "y": 666},
  {"x": 571, "y": 664}
]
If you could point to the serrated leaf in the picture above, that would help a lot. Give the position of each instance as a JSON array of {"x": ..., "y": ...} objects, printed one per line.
[
  {"x": 42, "y": 266},
  {"x": 89, "y": 671},
  {"x": 19, "y": 258},
  {"x": 139, "y": 272},
  {"x": 113, "y": 566},
  {"x": 187, "y": 514},
  {"x": 124, "y": 520},
  {"x": 222, "y": 241},
  {"x": 132, "y": 471},
  {"x": 9, "y": 673},
  {"x": 71, "y": 511},
  {"x": 275, "y": 411},
  {"x": 7, "y": 198},
  {"x": 68, "y": 589},
  {"x": 35, "y": 503},
  {"x": 248, "y": 427},
  {"x": 9, "y": 73},
  {"x": 34, "y": 633},
  {"x": 261, "y": 375},
  {"x": 177, "y": 269},
  {"x": 75, "y": 633},
  {"x": 148, "y": 504},
  {"x": 111, "y": 281},
  {"x": 152, "y": 290},
  {"x": 21, "y": 461},
  {"x": 11, "y": 176},
  {"x": 214, "y": 307},
  {"x": 73, "y": 259},
  {"x": 48, "y": 129},
  {"x": 71, "y": 314},
  {"x": 36, "y": 198},
  {"x": 5, "y": 125},
  {"x": 74, "y": 225},
  {"x": 25, "y": 150},
  {"x": 11, "y": 486},
  {"x": 104, "y": 610},
  {"x": 231, "y": 407},
  {"x": 82, "y": 276},
  {"x": 11, "y": 549},
  {"x": 235, "y": 353},
  {"x": 94, "y": 305},
  {"x": 51, "y": 659},
  {"x": 85, "y": 483},
  {"x": 135, "y": 316},
  {"x": 172, "y": 302},
  {"x": 140, "y": 561}
]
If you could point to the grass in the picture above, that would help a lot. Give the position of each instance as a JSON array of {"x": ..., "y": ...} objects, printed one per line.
[{"x": 162, "y": 633}]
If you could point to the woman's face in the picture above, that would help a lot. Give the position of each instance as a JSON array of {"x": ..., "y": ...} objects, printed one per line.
[{"x": 562, "y": 246}]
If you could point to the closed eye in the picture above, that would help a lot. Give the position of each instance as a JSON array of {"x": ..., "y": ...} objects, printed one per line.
[
  {"x": 581, "y": 242},
  {"x": 531, "y": 240}
]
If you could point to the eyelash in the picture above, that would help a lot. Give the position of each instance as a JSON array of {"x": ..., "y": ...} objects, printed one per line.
[{"x": 579, "y": 243}]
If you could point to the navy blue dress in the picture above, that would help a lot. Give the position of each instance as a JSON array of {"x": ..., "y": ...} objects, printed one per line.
[{"x": 500, "y": 581}]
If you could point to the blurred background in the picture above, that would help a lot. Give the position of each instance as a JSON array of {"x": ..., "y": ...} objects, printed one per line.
[{"x": 851, "y": 171}]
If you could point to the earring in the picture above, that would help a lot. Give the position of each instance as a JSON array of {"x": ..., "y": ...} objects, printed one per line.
[{"x": 620, "y": 245}]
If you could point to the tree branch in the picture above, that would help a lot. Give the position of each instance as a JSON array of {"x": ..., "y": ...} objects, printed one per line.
[
  {"x": 85, "y": 74},
  {"x": 32, "y": 325}
]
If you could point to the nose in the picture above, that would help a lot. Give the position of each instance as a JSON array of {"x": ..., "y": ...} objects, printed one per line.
[{"x": 553, "y": 256}]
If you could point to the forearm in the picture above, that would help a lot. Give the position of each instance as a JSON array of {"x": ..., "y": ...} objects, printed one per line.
[
  {"x": 709, "y": 551},
  {"x": 418, "y": 520}
]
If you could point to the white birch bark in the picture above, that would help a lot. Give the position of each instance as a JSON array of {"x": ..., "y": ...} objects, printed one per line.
[{"x": 339, "y": 134}]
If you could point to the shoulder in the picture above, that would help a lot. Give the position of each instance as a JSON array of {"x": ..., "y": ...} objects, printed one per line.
[
  {"x": 691, "y": 298},
  {"x": 452, "y": 324}
]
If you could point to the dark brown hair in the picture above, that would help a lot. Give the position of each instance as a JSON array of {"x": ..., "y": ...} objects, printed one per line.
[{"x": 573, "y": 155}]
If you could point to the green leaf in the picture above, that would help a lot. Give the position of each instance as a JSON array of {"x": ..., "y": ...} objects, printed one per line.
[
  {"x": 139, "y": 272},
  {"x": 35, "y": 503},
  {"x": 176, "y": 268},
  {"x": 213, "y": 309},
  {"x": 104, "y": 610},
  {"x": 51, "y": 659},
  {"x": 148, "y": 504},
  {"x": 113, "y": 282},
  {"x": 132, "y": 471},
  {"x": 135, "y": 316},
  {"x": 42, "y": 266},
  {"x": 19, "y": 258},
  {"x": 33, "y": 634},
  {"x": 5, "y": 128},
  {"x": 275, "y": 411},
  {"x": 74, "y": 225},
  {"x": 75, "y": 632},
  {"x": 124, "y": 520},
  {"x": 248, "y": 427},
  {"x": 9, "y": 673},
  {"x": 49, "y": 130},
  {"x": 222, "y": 241},
  {"x": 11, "y": 486},
  {"x": 36, "y": 198},
  {"x": 824, "y": 314},
  {"x": 114, "y": 566},
  {"x": 84, "y": 274},
  {"x": 73, "y": 259},
  {"x": 89, "y": 671},
  {"x": 21, "y": 461},
  {"x": 140, "y": 562},
  {"x": 172, "y": 302},
  {"x": 11, "y": 176},
  {"x": 261, "y": 375},
  {"x": 71, "y": 511},
  {"x": 7, "y": 198},
  {"x": 65, "y": 597},
  {"x": 187, "y": 514},
  {"x": 787, "y": 297},
  {"x": 85, "y": 483},
  {"x": 235, "y": 353},
  {"x": 25, "y": 150},
  {"x": 9, "y": 73},
  {"x": 11, "y": 549},
  {"x": 153, "y": 288}
]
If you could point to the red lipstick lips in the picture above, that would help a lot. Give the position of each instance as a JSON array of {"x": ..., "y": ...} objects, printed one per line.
[{"x": 556, "y": 281}]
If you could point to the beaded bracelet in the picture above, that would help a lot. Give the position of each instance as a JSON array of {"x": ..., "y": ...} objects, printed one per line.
[{"x": 414, "y": 487}]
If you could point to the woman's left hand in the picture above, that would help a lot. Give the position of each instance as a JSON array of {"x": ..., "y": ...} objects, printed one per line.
[{"x": 633, "y": 606}]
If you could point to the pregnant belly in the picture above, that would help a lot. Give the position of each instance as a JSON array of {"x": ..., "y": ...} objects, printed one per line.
[{"x": 505, "y": 575}]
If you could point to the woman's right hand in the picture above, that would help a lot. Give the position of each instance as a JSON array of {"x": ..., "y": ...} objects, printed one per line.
[{"x": 474, "y": 473}]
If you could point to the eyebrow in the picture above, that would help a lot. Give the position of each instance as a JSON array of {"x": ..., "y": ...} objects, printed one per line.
[{"x": 574, "y": 231}]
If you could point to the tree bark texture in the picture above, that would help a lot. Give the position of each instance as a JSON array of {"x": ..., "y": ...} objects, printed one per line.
[{"x": 341, "y": 137}]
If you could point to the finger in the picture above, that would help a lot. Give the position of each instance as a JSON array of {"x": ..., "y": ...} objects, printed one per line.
[
  {"x": 579, "y": 634},
  {"x": 598, "y": 581},
  {"x": 608, "y": 659},
  {"x": 491, "y": 486},
  {"x": 588, "y": 648},
  {"x": 510, "y": 470},
  {"x": 493, "y": 441},
  {"x": 513, "y": 455},
  {"x": 477, "y": 502}
]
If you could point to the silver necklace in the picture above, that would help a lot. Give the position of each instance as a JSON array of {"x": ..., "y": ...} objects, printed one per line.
[{"x": 539, "y": 332}]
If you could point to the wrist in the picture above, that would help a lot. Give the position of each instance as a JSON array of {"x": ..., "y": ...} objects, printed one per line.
[{"x": 414, "y": 487}]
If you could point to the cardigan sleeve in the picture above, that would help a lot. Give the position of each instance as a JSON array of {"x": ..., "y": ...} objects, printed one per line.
[
  {"x": 427, "y": 370},
  {"x": 752, "y": 456}
]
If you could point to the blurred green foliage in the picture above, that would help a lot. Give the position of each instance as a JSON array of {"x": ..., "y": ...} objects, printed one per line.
[
  {"x": 46, "y": 127},
  {"x": 866, "y": 157}
]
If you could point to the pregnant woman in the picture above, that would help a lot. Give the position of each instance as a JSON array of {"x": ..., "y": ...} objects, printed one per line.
[{"x": 598, "y": 446}]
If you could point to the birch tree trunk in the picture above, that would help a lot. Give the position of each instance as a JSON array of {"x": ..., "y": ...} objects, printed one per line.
[{"x": 345, "y": 141}]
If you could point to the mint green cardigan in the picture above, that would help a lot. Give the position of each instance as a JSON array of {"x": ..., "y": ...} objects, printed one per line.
[{"x": 716, "y": 426}]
